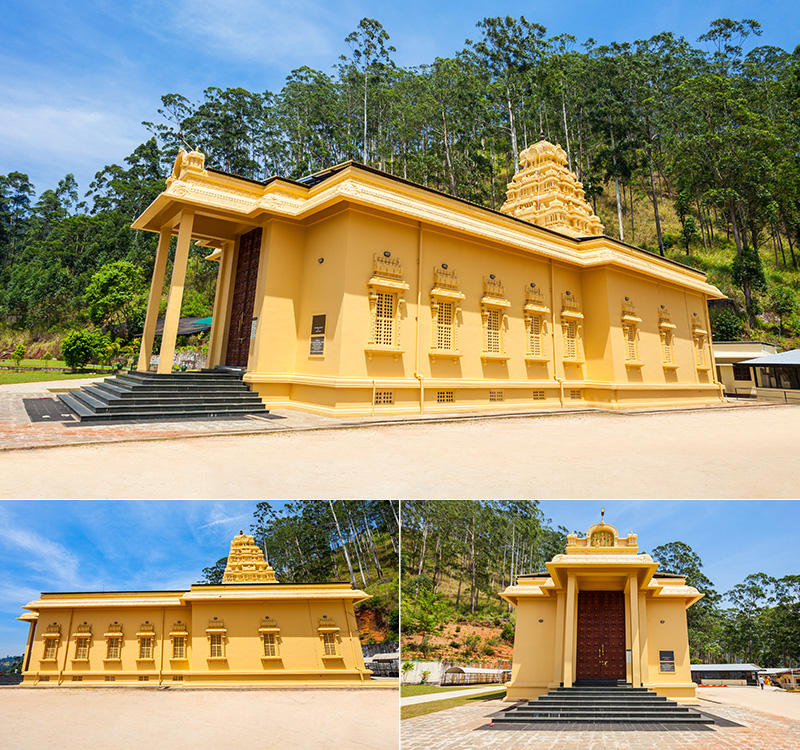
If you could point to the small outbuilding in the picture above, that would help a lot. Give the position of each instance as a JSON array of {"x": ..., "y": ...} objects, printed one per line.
[
  {"x": 776, "y": 376},
  {"x": 725, "y": 674}
]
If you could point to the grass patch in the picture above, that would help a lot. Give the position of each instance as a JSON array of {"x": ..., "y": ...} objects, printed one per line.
[
  {"x": 409, "y": 691},
  {"x": 422, "y": 709},
  {"x": 9, "y": 378}
]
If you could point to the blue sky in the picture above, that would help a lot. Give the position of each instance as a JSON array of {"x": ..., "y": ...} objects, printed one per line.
[
  {"x": 150, "y": 545},
  {"x": 77, "y": 78}
]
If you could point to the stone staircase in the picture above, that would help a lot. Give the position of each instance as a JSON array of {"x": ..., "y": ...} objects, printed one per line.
[
  {"x": 602, "y": 704},
  {"x": 134, "y": 396}
]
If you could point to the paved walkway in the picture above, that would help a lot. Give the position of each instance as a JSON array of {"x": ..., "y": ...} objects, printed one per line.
[
  {"x": 447, "y": 694},
  {"x": 769, "y": 700},
  {"x": 467, "y": 727}
]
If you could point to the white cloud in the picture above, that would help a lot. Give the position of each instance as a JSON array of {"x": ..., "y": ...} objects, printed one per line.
[{"x": 54, "y": 561}]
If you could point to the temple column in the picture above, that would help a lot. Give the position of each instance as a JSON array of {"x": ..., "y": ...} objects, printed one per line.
[
  {"x": 643, "y": 637},
  {"x": 167, "y": 353},
  {"x": 221, "y": 296},
  {"x": 558, "y": 664},
  {"x": 636, "y": 653},
  {"x": 153, "y": 302},
  {"x": 569, "y": 630}
]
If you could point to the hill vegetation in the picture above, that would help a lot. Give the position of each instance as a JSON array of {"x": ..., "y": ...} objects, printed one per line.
[{"x": 690, "y": 150}]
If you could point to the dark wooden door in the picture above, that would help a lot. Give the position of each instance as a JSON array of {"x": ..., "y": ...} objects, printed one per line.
[
  {"x": 601, "y": 635},
  {"x": 244, "y": 297}
]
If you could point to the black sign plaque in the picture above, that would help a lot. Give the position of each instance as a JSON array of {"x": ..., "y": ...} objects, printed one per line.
[
  {"x": 666, "y": 656},
  {"x": 318, "y": 325},
  {"x": 317, "y": 347}
]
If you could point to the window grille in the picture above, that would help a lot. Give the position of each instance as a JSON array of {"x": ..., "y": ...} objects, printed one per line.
[
  {"x": 444, "y": 326},
  {"x": 179, "y": 647},
  {"x": 741, "y": 372},
  {"x": 270, "y": 644},
  {"x": 113, "y": 648},
  {"x": 630, "y": 343},
  {"x": 666, "y": 347},
  {"x": 445, "y": 397},
  {"x": 493, "y": 331},
  {"x": 77, "y": 678},
  {"x": 329, "y": 644},
  {"x": 50, "y": 648},
  {"x": 535, "y": 336},
  {"x": 144, "y": 678},
  {"x": 145, "y": 648},
  {"x": 538, "y": 395},
  {"x": 384, "y": 318},
  {"x": 571, "y": 339},
  {"x": 497, "y": 396},
  {"x": 216, "y": 646},
  {"x": 82, "y": 648},
  {"x": 384, "y": 397},
  {"x": 575, "y": 395}
]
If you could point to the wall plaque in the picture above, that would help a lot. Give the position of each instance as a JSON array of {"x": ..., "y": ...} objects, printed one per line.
[
  {"x": 318, "y": 325},
  {"x": 666, "y": 656},
  {"x": 317, "y": 346},
  {"x": 667, "y": 666},
  {"x": 253, "y": 326}
]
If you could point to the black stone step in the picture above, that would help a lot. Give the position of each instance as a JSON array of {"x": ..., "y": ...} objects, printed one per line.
[{"x": 135, "y": 396}]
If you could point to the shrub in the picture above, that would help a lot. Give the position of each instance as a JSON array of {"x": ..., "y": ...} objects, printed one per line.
[
  {"x": 726, "y": 325},
  {"x": 78, "y": 348},
  {"x": 19, "y": 354},
  {"x": 507, "y": 633},
  {"x": 488, "y": 650},
  {"x": 471, "y": 642},
  {"x": 455, "y": 645}
]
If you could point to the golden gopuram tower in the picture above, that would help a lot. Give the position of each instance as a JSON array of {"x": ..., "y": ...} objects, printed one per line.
[
  {"x": 544, "y": 192},
  {"x": 246, "y": 562}
]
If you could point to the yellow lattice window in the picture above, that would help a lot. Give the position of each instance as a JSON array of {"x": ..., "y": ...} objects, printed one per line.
[
  {"x": 538, "y": 395},
  {"x": 667, "y": 355},
  {"x": 493, "y": 322},
  {"x": 216, "y": 646},
  {"x": 50, "y": 648},
  {"x": 445, "y": 397},
  {"x": 384, "y": 397},
  {"x": 329, "y": 644},
  {"x": 385, "y": 307},
  {"x": 82, "y": 648},
  {"x": 575, "y": 395},
  {"x": 497, "y": 396},
  {"x": 444, "y": 326},
  {"x": 535, "y": 335},
  {"x": 571, "y": 339},
  {"x": 110, "y": 678},
  {"x": 145, "y": 648},
  {"x": 700, "y": 350},
  {"x": 144, "y": 678},
  {"x": 270, "y": 643},
  {"x": 113, "y": 648},
  {"x": 631, "y": 353},
  {"x": 177, "y": 678},
  {"x": 179, "y": 647}
]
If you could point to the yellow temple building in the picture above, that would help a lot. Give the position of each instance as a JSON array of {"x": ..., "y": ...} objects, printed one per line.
[
  {"x": 354, "y": 292},
  {"x": 602, "y": 613},
  {"x": 249, "y": 630}
]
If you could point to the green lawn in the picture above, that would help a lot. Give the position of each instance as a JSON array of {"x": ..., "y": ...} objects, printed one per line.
[
  {"x": 421, "y": 709},
  {"x": 8, "y": 378},
  {"x": 407, "y": 691}
]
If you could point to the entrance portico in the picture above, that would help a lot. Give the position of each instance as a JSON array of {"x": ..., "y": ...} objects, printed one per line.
[{"x": 601, "y": 613}]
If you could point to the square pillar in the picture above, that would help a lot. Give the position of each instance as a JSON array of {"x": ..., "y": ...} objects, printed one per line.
[
  {"x": 570, "y": 623},
  {"x": 643, "y": 637},
  {"x": 167, "y": 353},
  {"x": 219, "y": 322},
  {"x": 558, "y": 663},
  {"x": 154, "y": 300},
  {"x": 636, "y": 651}
]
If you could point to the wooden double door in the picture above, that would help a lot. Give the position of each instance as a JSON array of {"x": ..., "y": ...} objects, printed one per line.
[
  {"x": 244, "y": 297},
  {"x": 601, "y": 635}
]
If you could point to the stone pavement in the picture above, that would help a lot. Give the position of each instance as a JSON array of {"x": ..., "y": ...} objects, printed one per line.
[{"x": 466, "y": 728}]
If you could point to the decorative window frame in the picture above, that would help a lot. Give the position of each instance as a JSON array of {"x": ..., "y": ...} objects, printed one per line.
[
  {"x": 571, "y": 315},
  {"x": 179, "y": 630},
  {"x": 494, "y": 300},
  {"x": 327, "y": 627},
  {"x": 52, "y": 635},
  {"x": 83, "y": 637},
  {"x": 445, "y": 290},
  {"x": 535, "y": 309},
  {"x": 699, "y": 335},
  {"x": 147, "y": 631},
  {"x": 387, "y": 278},
  {"x": 217, "y": 627},
  {"x": 666, "y": 333},
  {"x": 114, "y": 634},
  {"x": 630, "y": 334},
  {"x": 269, "y": 628}
]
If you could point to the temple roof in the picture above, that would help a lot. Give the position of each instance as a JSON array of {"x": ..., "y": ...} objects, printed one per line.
[
  {"x": 246, "y": 563},
  {"x": 544, "y": 192}
]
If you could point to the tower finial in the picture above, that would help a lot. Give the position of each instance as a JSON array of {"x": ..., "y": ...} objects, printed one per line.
[{"x": 602, "y": 514}]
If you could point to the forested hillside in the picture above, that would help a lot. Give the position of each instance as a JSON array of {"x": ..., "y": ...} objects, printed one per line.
[{"x": 688, "y": 148}]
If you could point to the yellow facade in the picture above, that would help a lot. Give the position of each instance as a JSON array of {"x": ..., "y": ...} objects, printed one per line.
[
  {"x": 240, "y": 633},
  {"x": 376, "y": 296},
  {"x": 559, "y": 639}
]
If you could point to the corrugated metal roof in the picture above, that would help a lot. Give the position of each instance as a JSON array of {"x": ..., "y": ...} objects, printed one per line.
[
  {"x": 724, "y": 668},
  {"x": 791, "y": 358}
]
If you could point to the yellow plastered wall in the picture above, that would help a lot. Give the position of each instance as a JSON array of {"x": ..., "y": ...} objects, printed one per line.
[
  {"x": 669, "y": 635},
  {"x": 534, "y": 649}
]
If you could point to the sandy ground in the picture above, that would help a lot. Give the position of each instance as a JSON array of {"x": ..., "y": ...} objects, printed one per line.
[
  {"x": 769, "y": 700},
  {"x": 122, "y": 719},
  {"x": 724, "y": 453}
]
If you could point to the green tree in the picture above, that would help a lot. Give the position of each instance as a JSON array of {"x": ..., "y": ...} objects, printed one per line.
[
  {"x": 782, "y": 302},
  {"x": 214, "y": 573},
  {"x": 78, "y": 348},
  {"x": 117, "y": 294}
]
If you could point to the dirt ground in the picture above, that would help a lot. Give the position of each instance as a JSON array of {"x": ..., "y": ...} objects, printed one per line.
[
  {"x": 121, "y": 719},
  {"x": 714, "y": 453}
]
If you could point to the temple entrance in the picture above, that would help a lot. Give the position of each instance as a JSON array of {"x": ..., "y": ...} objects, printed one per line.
[
  {"x": 601, "y": 635},
  {"x": 244, "y": 296}
]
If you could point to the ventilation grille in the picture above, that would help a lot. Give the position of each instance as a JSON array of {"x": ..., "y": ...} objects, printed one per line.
[
  {"x": 538, "y": 396},
  {"x": 384, "y": 397},
  {"x": 497, "y": 396},
  {"x": 575, "y": 395},
  {"x": 445, "y": 397}
]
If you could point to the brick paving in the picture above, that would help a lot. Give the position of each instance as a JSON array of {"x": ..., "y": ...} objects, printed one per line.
[{"x": 466, "y": 728}]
